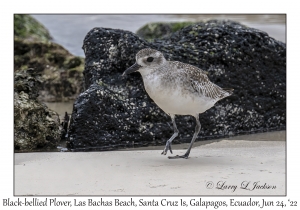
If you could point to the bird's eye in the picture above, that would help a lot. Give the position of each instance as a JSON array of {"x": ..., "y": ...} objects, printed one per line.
[{"x": 150, "y": 59}]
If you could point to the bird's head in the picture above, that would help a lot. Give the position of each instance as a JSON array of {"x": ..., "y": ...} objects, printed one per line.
[{"x": 146, "y": 59}]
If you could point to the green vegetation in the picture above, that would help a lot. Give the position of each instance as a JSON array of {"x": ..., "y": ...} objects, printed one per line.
[
  {"x": 26, "y": 27},
  {"x": 153, "y": 31},
  {"x": 41, "y": 56}
]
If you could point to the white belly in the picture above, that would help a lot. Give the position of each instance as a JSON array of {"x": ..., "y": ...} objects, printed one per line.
[
  {"x": 174, "y": 101},
  {"x": 180, "y": 105}
]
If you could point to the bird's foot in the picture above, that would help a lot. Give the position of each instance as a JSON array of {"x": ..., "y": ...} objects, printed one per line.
[
  {"x": 185, "y": 156},
  {"x": 167, "y": 147}
]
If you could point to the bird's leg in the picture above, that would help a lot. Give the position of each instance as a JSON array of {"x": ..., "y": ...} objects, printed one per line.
[
  {"x": 169, "y": 142},
  {"x": 197, "y": 130}
]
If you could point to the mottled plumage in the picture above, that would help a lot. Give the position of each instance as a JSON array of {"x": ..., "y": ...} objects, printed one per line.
[{"x": 177, "y": 88}]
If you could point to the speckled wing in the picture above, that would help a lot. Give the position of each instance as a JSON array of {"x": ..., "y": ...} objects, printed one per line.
[{"x": 201, "y": 84}]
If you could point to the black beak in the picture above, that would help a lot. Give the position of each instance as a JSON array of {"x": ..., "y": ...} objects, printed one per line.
[{"x": 131, "y": 69}]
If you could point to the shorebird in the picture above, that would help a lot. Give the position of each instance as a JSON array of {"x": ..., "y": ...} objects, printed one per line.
[{"x": 177, "y": 88}]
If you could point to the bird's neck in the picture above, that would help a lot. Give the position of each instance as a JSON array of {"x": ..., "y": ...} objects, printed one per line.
[{"x": 150, "y": 71}]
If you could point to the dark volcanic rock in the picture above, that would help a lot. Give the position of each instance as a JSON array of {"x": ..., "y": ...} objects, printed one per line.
[
  {"x": 35, "y": 126},
  {"x": 115, "y": 112}
]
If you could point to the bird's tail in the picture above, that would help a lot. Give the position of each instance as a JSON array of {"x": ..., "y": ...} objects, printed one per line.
[{"x": 229, "y": 90}]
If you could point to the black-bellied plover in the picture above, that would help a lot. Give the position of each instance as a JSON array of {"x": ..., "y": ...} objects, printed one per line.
[{"x": 177, "y": 88}]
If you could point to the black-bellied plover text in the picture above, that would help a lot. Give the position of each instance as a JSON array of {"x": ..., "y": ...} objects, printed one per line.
[{"x": 177, "y": 88}]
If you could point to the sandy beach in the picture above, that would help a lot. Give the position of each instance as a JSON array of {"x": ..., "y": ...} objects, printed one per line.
[{"x": 226, "y": 167}]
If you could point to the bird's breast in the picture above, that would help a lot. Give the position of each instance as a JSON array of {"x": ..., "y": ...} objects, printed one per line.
[{"x": 171, "y": 96}]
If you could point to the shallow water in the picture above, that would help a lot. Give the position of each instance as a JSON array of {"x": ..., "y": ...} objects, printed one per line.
[
  {"x": 61, "y": 107},
  {"x": 70, "y": 30}
]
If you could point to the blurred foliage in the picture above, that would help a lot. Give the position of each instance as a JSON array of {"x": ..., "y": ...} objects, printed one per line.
[
  {"x": 159, "y": 30},
  {"x": 26, "y": 27}
]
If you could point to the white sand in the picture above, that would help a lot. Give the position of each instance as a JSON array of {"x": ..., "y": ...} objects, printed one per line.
[{"x": 147, "y": 172}]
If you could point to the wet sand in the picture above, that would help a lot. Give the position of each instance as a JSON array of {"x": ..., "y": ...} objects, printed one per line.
[
  {"x": 266, "y": 136},
  {"x": 225, "y": 167}
]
